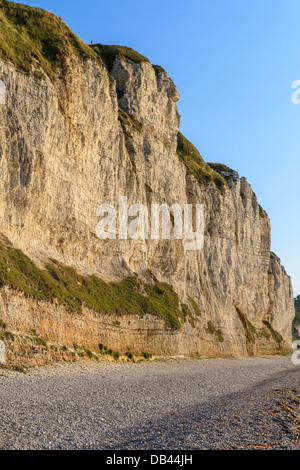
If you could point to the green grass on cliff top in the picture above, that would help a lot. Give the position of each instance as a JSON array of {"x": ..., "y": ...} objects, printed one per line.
[
  {"x": 218, "y": 167},
  {"x": 32, "y": 36},
  {"x": 109, "y": 53},
  {"x": 195, "y": 165},
  {"x": 64, "y": 285},
  {"x": 35, "y": 37}
]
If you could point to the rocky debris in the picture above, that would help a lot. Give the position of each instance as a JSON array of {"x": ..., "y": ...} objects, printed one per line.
[{"x": 250, "y": 403}]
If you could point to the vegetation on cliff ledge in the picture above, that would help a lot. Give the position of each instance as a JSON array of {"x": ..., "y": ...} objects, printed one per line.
[
  {"x": 275, "y": 335},
  {"x": 62, "y": 284},
  {"x": 129, "y": 120},
  {"x": 195, "y": 165},
  {"x": 109, "y": 53},
  {"x": 32, "y": 37},
  {"x": 220, "y": 167}
]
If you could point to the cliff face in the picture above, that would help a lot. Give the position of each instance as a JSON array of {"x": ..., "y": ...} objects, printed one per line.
[{"x": 88, "y": 135}]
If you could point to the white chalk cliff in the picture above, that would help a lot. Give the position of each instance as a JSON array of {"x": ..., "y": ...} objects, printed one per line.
[{"x": 97, "y": 131}]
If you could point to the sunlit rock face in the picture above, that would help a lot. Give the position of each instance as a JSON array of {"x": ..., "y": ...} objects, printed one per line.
[{"x": 64, "y": 151}]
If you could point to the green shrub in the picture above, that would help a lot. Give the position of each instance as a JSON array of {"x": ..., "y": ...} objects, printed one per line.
[
  {"x": 19, "y": 369},
  {"x": 158, "y": 69},
  {"x": 262, "y": 213},
  {"x": 89, "y": 353},
  {"x": 147, "y": 356},
  {"x": 116, "y": 355}
]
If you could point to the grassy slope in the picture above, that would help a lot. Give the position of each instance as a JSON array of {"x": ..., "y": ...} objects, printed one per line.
[
  {"x": 67, "y": 287},
  {"x": 31, "y": 36}
]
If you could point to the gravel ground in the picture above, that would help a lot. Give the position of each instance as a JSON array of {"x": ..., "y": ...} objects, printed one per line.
[{"x": 249, "y": 403}]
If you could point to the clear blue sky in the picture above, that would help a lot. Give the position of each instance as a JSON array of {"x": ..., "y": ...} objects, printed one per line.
[{"x": 234, "y": 62}]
